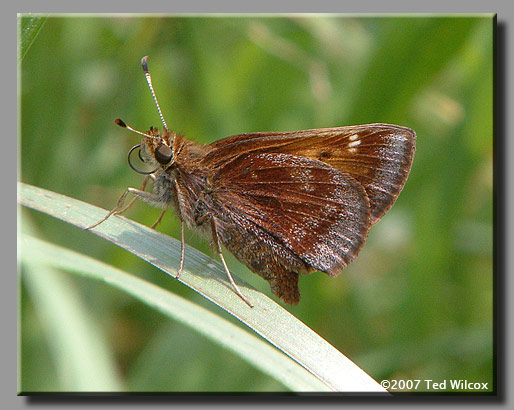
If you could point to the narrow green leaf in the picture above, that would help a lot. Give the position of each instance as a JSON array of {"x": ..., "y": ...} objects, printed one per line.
[
  {"x": 207, "y": 277},
  {"x": 248, "y": 346},
  {"x": 29, "y": 27},
  {"x": 82, "y": 358}
]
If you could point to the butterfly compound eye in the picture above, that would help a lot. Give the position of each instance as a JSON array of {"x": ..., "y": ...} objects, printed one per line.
[{"x": 163, "y": 154}]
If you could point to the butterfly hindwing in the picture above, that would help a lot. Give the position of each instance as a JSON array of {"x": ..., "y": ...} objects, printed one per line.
[{"x": 310, "y": 208}]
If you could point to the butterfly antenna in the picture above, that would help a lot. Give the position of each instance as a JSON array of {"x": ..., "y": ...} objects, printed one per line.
[
  {"x": 123, "y": 125},
  {"x": 149, "y": 81}
]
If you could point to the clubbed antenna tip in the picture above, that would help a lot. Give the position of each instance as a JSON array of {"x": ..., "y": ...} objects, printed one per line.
[
  {"x": 143, "y": 63},
  {"x": 149, "y": 81},
  {"x": 120, "y": 123}
]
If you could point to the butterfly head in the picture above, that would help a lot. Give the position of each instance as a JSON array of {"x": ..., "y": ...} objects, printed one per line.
[{"x": 156, "y": 148}]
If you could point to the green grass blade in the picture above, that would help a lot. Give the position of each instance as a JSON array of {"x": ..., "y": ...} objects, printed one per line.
[
  {"x": 207, "y": 277},
  {"x": 29, "y": 27},
  {"x": 82, "y": 359},
  {"x": 248, "y": 346}
]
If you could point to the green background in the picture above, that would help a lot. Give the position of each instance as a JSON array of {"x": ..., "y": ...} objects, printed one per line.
[{"x": 416, "y": 304}]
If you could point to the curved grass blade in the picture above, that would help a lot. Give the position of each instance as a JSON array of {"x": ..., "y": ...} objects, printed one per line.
[
  {"x": 82, "y": 358},
  {"x": 29, "y": 27},
  {"x": 249, "y": 347}
]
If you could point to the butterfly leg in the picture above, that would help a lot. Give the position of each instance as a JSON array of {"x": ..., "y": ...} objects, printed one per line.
[
  {"x": 143, "y": 186},
  {"x": 159, "y": 219},
  {"x": 218, "y": 250},
  {"x": 119, "y": 208},
  {"x": 182, "y": 250}
]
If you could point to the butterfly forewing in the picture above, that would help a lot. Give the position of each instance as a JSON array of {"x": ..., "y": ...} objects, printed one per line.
[{"x": 378, "y": 156}]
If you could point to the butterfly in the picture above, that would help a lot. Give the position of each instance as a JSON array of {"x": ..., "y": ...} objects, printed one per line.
[{"x": 284, "y": 203}]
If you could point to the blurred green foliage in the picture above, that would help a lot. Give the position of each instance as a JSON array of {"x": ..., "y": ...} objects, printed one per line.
[{"x": 417, "y": 303}]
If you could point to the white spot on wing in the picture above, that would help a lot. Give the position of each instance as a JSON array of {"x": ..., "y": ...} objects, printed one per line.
[{"x": 354, "y": 144}]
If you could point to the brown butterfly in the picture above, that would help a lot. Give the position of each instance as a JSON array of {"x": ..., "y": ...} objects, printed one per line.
[{"x": 283, "y": 203}]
